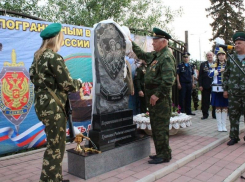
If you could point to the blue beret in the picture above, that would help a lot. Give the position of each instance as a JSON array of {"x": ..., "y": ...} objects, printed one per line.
[
  {"x": 186, "y": 54},
  {"x": 158, "y": 33},
  {"x": 51, "y": 31}
]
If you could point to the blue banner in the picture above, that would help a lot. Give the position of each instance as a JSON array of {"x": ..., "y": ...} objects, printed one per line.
[{"x": 19, "y": 39}]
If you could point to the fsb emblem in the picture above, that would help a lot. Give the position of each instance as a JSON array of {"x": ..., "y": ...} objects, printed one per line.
[{"x": 16, "y": 92}]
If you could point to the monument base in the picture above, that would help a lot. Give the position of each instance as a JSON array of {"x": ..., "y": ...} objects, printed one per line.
[
  {"x": 96, "y": 164},
  {"x": 109, "y": 139}
]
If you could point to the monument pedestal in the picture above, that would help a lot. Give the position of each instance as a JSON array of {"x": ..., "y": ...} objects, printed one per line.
[
  {"x": 112, "y": 129},
  {"x": 96, "y": 164}
]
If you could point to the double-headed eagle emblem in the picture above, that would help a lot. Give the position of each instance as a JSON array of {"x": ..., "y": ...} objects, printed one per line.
[
  {"x": 16, "y": 93},
  {"x": 15, "y": 89}
]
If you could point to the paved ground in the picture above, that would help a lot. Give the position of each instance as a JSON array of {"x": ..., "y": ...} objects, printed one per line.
[{"x": 199, "y": 153}]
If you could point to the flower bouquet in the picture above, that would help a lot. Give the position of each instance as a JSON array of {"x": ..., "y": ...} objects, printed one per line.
[
  {"x": 175, "y": 110},
  {"x": 177, "y": 120}
]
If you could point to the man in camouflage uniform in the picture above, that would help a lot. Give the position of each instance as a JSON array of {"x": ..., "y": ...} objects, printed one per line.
[
  {"x": 50, "y": 71},
  {"x": 234, "y": 86},
  {"x": 140, "y": 85},
  {"x": 159, "y": 79}
]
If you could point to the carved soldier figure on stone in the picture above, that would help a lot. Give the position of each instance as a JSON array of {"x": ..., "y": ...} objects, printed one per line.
[
  {"x": 159, "y": 79},
  {"x": 110, "y": 47}
]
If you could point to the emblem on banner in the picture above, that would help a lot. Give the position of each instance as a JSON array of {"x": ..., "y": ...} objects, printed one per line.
[
  {"x": 16, "y": 94},
  {"x": 85, "y": 91}
]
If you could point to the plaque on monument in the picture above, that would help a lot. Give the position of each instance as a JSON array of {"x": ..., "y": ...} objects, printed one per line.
[
  {"x": 109, "y": 139},
  {"x": 112, "y": 120}
]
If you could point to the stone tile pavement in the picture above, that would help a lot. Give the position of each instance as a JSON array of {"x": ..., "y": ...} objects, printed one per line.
[{"x": 199, "y": 153}]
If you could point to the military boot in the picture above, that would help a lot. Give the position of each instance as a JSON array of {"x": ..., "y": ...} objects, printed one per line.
[
  {"x": 158, "y": 160},
  {"x": 232, "y": 142},
  {"x": 152, "y": 156}
]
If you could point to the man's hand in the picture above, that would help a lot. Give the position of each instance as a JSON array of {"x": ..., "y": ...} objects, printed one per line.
[
  {"x": 179, "y": 86},
  {"x": 153, "y": 100},
  {"x": 141, "y": 93},
  {"x": 193, "y": 86},
  {"x": 225, "y": 94},
  {"x": 130, "y": 39},
  {"x": 201, "y": 89}
]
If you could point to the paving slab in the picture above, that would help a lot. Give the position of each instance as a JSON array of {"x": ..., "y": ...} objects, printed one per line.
[{"x": 198, "y": 152}]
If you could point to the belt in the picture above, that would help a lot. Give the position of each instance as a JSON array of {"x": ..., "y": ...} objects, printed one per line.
[
  {"x": 216, "y": 84},
  {"x": 151, "y": 86}
]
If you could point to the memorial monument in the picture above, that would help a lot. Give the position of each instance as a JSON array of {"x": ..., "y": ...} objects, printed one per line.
[
  {"x": 113, "y": 131},
  {"x": 112, "y": 121}
]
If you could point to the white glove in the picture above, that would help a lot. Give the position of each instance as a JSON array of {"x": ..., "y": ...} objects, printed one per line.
[
  {"x": 216, "y": 72},
  {"x": 79, "y": 79},
  {"x": 76, "y": 130}
]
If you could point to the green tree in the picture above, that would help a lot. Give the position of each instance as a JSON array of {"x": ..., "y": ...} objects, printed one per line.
[
  {"x": 227, "y": 16},
  {"x": 21, "y": 6},
  {"x": 136, "y": 14},
  {"x": 146, "y": 14}
]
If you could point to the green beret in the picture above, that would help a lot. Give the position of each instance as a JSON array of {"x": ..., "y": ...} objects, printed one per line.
[
  {"x": 158, "y": 33},
  {"x": 51, "y": 31},
  {"x": 239, "y": 35}
]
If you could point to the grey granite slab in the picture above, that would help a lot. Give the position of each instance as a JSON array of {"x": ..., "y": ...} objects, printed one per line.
[{"x": 96, "y": 164}]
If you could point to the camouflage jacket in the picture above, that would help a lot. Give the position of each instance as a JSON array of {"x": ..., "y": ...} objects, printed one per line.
[
  {"x": 161, "y": 69},
  {"x": 233, "y": 78},
  {"x": 139, "y": 77},
  {"x": 53, "y": 71}
]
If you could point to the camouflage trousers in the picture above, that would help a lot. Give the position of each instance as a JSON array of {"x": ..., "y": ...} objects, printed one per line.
[
  {"x": 159, "y": 119},
  {"x": 236, "y": 106},
  {"x": 55, "y": 129}
]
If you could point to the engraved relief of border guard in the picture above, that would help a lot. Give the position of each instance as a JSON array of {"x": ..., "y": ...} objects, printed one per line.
[
  {"x": 114, "y": 55},
  {"x": 110, "y": 47}
]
